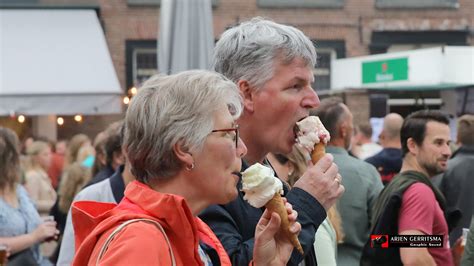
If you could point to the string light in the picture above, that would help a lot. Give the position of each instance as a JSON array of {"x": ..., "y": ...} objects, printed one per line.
[
  {"x": 21, "y": 119},
  {"x": 60, "y": 121},
  {"x": 133, "y": 91},
  {"x": 126, "y": 100},
  {"x": 78, "y": 118}
]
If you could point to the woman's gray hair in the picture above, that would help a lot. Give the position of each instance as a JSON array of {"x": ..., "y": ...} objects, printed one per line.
[
  {"x": 249, "y": 50},
  {"x": 171, "y": 109}
]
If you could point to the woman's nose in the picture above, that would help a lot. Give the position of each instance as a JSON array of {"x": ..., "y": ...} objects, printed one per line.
[{"x": 241, "y": 148}]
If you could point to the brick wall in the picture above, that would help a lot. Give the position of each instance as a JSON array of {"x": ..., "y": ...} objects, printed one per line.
[{"x": 354, "y": 24}]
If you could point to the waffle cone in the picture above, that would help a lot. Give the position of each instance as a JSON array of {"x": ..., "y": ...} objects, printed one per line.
[
  {"x": 276, "y": 205},
  {"x": 318, "y": 152}
]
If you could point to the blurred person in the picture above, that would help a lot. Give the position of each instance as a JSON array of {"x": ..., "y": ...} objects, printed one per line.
[
  {"x": 289, "y": 168},
  {"x": 410, "y": 204},
  {"x": 363, "y": 139},
  {"x": 362, "y": 179},
  {"x": 21, "y": 228},
  {"x": 74, "y": 179},
  {"x": 457, "y": 183},
  {"x": 113, "y": 153},
  {"x": 100, "y": 161},
  {"x": 183, "y": 146},
  {"x": 108, "y": 190},
  {"x": 468, "y": 256},
  {"x": 272, "y": 64},
  {"x": 57, "y": 162},
  {"x": 74, "y": 145},
  {"x": 389, "y": 160},
  {"x": 37, "y": 182}
]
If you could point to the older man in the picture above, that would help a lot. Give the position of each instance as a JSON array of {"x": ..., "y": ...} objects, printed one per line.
[{"x": 272, "y": 66}]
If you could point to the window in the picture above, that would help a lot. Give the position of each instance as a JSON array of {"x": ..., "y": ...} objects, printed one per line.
[
  {"x": 327, "y": 51},
  {"x": 141, "y": 62},
  {"x": 322, "y": 71},
  {"x": 157, "y": 2},
  {"x": 301, "y": 3},
  {"x": 417, "y": 3}
]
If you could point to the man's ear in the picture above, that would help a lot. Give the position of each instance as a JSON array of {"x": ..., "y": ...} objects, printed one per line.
[
  {"x": 343, "y": 129},
  {"x": 247, "y": 95},
  {"x": 183, "y": 154},
  {"x": 412, "y": 146}
]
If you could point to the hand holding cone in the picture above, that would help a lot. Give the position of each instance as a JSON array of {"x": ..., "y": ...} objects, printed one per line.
[{"x": 277, "y": 205}]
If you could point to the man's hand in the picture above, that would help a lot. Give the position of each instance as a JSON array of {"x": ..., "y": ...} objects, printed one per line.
[
  {"x": 272, "y": 247},
  {"x": 322, "y": 181}
]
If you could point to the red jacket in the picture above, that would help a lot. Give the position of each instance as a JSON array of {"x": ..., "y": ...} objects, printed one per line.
[{"x": 141, "y": 243}]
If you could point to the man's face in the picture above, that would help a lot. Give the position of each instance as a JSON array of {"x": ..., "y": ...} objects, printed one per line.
[
  {"x": 434, "y": 152},
  {"x": 279, "y": 104}
]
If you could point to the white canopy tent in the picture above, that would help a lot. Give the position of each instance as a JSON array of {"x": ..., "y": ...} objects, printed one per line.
[{"x": 55, "y": 61}]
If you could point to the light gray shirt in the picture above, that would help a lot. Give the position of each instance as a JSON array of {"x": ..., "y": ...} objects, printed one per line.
[{"x": 101, "y": 192}]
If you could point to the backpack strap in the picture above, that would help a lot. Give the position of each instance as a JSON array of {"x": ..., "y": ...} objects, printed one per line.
[{"x": 120, "y": 227}]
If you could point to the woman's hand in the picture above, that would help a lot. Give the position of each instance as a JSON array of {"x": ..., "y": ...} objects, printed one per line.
[
  {"x": 271, "y": 246},
  {"x": 45, "y": 232}
]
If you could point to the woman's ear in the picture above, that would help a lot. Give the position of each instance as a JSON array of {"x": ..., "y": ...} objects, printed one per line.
[
  {"x": 247, "y": 94},
  {"x": 183, "y": 154}
]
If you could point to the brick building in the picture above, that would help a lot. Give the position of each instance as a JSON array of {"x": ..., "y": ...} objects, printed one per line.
[{"x": 339, "y": 28}]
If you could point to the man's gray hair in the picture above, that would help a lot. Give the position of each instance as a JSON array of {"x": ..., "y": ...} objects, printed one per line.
[
  {"x": 171, "y": 109},
  {"x": 249, "y": 50}
]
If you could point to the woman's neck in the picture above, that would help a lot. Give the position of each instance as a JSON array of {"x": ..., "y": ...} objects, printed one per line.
[
  {"x": 8, "y": 194},
  {"x": 178, "y": 186}
]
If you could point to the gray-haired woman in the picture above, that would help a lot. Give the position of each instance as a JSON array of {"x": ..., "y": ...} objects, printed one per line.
[{"x": 184, "y": 149}]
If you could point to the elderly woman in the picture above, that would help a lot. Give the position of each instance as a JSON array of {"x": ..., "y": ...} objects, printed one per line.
[
  {"x": 183, "y": 146},
  {"x": 20, "y": 225}
]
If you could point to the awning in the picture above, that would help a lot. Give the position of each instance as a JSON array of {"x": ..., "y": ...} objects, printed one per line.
[{"x": 55, "y": 61}]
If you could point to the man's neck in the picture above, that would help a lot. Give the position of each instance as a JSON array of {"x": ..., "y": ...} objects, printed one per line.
[
  {"x": 411, "y": 164},
  {"x": 337, "y": 142},
  {"x": 392, "y": 144}
]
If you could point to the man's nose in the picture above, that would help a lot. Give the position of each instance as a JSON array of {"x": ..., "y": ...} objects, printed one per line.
[{"x": 311, "y": 100}]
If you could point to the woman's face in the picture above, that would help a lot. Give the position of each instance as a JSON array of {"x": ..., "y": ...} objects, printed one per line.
[
  {"x": 44, "y": 158},
  {"x": 219, "y": 162}
]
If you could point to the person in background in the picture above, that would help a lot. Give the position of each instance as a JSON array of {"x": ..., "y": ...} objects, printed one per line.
[
  {"x": 75, "y": 144},
  {"x": 37, "y": 182},
  {"x": 363, "y": 139},
  {"x": 289, "y": 168},
  {"x": 468, "y": 256},
  {"x": 272, "y": 64},
  {"x": 457, "y": 183},
  {"x": 108, "y": 190},
  {"x": 389, "y": 160},
  {"x": 361, "y": 179},
  {"x": 183, "y": 145},
  {"x": 57, "y": 162},
  {"x": 74, "y": 179},
  {"x": 410, "y": 204},
  {"x": 21, "y": 227},
  {"x": 113, "y": 153}
]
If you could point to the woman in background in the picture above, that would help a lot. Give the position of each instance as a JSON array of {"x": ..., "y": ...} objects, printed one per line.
[
  {"x": 289, "y": 168},
  {"x": 37, "y": 182},
  {"x": 20, "y": 224}
]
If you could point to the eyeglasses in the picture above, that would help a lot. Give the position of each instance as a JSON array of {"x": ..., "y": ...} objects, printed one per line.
[{"x": 236, "y": 135}]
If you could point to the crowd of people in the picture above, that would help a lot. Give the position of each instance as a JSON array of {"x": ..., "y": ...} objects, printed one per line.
[{"x": 167, "y": 177}]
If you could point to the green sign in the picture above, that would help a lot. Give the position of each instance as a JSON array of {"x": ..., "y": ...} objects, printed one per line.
[{"x": 385, "y": 70}]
